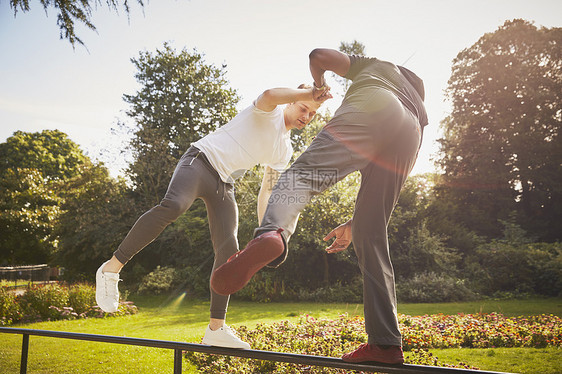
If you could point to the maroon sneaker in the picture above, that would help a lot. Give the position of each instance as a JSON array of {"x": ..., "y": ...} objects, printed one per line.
[
  {"x": 371, "y": 352},
  {"x": 233, "y": 275}
]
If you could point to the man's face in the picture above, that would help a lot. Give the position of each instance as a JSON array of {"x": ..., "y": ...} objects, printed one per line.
[{"x": 299, "y": 114}]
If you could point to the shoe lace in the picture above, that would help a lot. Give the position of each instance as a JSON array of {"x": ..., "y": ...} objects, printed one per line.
[
  {"x": 230, "y": 331},
  {"x": 110, "y": 285}
]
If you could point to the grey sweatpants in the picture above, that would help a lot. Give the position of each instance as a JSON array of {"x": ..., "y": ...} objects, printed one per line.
[
  {"x": 382, "y": 144},
  {"x": 193, "y": 178}
]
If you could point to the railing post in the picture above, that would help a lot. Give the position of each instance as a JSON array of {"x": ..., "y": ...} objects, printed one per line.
[
  {"x": 177, "y": 361},
  {"x": 24, "y": 350}
]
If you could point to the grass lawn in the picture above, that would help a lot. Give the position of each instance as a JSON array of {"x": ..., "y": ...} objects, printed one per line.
[{"x": 185, "y": 320}]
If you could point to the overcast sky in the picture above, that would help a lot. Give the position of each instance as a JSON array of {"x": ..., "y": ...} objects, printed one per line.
[{"x": 46, "y": 84}]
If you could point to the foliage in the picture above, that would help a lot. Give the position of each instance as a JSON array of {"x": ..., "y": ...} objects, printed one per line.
[
  {"x": 514, "y": 264},
  {"x": 333, "y": 337},
  {"x": 54, "y": 302},
  {"x": 157, "y": 281},
  {"x": 70, "y": 11},
  {"x": 432, "y": 288},
  {"x": 81, "y": 297},
  {"x": 414, "y": 247},
  {"x": 97, "y": 213},
  {"x": 49, "y": 151},
  {"x": 28, "y": 208},
  {"x": 10, "y": 310},
  {"x": 37, "y": 301},
  {"x": 33, "y": 168},
  {"x": 501, "y": 150}
]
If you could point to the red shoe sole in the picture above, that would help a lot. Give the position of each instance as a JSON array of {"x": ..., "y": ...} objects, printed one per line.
[
  {"x": 391, "y": 357},
  {"x": 240, "y": 268},
  {"x": 363, "y": 360}
]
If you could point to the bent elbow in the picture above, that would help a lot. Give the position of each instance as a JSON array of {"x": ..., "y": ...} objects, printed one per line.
[{"x": 315, "y": 54}]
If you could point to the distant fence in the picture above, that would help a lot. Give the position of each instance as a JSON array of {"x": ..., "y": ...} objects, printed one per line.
[
  {"x": 27, "y": 273},
  {"x": 247, "y": 353}
]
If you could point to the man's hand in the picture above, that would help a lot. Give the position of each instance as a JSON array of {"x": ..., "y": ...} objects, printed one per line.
[
  {"x": 342, "y": 233},
  {"x": 321, "y": 94}
]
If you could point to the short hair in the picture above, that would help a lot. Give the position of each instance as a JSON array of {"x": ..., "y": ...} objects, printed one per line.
[{"x": 304, "y": 86}]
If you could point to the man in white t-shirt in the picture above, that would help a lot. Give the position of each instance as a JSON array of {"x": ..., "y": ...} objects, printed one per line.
[{"x": 257, "y": 135}]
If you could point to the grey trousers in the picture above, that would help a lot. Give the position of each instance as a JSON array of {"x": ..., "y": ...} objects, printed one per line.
[
  {"x": 193, "y": 178},
  {"x": 382, "y": 144}
]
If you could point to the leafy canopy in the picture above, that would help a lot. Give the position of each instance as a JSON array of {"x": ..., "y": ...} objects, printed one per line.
[
  {"x": 501, "y": 150},
  {"x": 71, "y": 11}
]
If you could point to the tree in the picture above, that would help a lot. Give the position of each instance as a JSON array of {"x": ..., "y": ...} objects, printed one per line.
[
  {"x": 95, "y": 215},
  {"x": 501, "y": 150},
  {"x": 70, "y": 11},
  {"x": 28, "y": 207},
  {"x": 49, "y": 151},
  {"x": 33, "y": 168},
  {"x": 181, "y": 99}
]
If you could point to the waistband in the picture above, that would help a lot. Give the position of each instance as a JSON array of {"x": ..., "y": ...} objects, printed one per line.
[{"x": 196, "y": 153}]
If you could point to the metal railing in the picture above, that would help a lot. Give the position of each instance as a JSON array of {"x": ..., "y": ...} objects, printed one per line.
[{"x": 246, "y": 353}]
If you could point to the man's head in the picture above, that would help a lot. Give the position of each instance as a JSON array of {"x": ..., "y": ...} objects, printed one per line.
[{"x": 300, "y": 113}]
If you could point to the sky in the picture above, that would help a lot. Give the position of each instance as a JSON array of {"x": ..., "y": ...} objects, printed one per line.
[{"x": 45, "y": 83}]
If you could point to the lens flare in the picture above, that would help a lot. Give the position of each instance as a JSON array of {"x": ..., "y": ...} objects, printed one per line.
[{"x": 177, "y": 301}]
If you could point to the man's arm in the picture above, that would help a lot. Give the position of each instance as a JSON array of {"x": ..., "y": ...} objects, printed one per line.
[
  {"x": 270, "y": 177},
  {"x": 269, "y": 99},
  {"x": 322, "y": 59}
]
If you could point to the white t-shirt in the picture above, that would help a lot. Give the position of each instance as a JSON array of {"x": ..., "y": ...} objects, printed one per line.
[{"x": 252, "y": 137}]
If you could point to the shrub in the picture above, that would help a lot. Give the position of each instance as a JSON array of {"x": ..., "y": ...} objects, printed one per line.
[
  {"x": 515, "y": 264},
  {"x": 37, "y": 301},
  {"x": 266, "y": 287},
  {"x": 10, "y": 309},
  {"x": 433, "y": 288},
  {"x": 81, "y": 297},
  {"x": 54, "y": 302},
  {"x": 337, "y": 293},
  {"x": 157, "y": 281}
]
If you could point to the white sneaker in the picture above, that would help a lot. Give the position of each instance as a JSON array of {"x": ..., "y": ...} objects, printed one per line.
[
  {"x": 223, "y": 337},
  {"x": 107, "y": 291}
]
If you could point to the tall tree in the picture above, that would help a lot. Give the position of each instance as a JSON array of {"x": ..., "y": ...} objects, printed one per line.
[
  {"x": 502, "y": 150},
  {"x": 181, "y": 99},
  {"x": 71, "y": 11},
  {"x": 28, "y": 208},
  {"x": 49, "y": 151},
  {"x": 33, "y": 168}
]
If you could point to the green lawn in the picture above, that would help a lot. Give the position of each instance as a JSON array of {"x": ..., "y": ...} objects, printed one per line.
[{"x": 162, "y": 318}]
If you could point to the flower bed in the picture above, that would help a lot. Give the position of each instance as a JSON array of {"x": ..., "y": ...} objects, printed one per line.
[
  {"x": 332, "y": 338},
  {"x": 53, "y": 302},
  {"x": 480, "y": 331}
]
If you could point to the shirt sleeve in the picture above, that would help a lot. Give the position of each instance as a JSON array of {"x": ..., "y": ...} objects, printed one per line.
[
  {"x": 263, "y": 112},
  {"x": 357, "y": 63}
]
